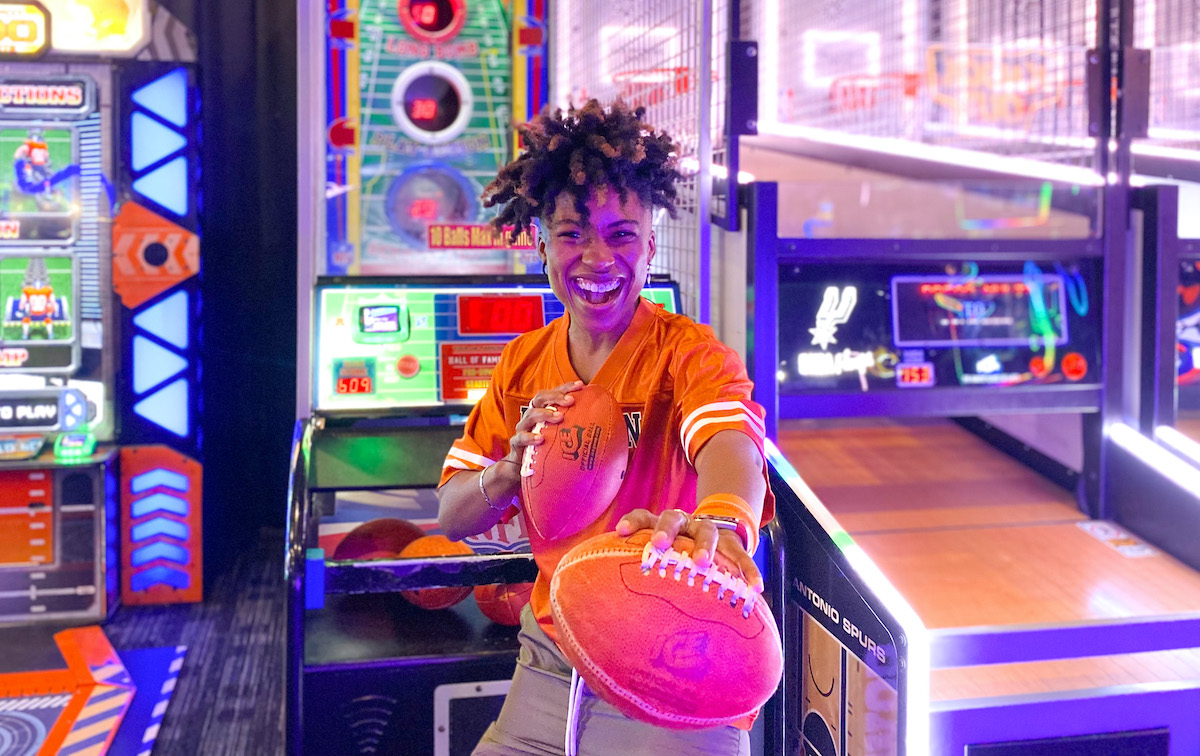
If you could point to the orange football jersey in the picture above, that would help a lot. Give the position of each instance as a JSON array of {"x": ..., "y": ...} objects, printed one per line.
[{"x": 677, "y": 386}]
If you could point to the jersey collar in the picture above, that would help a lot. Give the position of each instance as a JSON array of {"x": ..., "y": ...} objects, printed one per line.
[{"x": 627, "y": 346}]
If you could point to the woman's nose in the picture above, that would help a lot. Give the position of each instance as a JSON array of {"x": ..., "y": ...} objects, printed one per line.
[{"x": 598, "y": 256}]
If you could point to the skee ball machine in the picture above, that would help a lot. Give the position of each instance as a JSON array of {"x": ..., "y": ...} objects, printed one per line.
[{"x": 99, "y": 258}]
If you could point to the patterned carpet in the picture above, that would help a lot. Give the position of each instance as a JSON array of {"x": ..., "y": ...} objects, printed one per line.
[{"x": 229, "y": 699}]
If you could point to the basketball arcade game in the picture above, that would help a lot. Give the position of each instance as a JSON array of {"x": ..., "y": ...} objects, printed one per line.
[{"x": 98, "y": 197}]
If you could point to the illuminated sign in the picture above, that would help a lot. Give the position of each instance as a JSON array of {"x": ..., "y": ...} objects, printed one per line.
[
  {"x": 819, "y": 364},
  {"x": 24, "y": 30},
  {"x": 467, "y": 369},
  {"x": 111, "y": 27},
  {"x": 21, "y": 446},
  {"x": 473, "y": 236},
  {"x": 38, "y": 94},
  {"x": 13, "y": 358},
  {"x": 836, "y": 308},
  {"x": 1001, "y": 310},
  {"x": 29, "y": 412}
]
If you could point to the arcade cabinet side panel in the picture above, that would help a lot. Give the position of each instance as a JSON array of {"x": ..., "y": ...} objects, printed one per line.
[{"x": 156, "y": 269}]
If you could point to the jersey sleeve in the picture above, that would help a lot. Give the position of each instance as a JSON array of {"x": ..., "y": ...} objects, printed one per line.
[
  {"x": 486, "y": 435},
  {"x": 712, "y": 391}
]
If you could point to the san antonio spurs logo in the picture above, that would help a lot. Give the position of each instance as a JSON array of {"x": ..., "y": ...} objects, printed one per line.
[{"x": 836, "y": 308}]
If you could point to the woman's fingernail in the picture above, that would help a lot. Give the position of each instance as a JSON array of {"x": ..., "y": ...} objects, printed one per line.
[{"x": 702, "y": 558}]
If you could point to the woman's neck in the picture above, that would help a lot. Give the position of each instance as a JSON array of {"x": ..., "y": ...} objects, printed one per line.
[{"x": 588, "y": 351}]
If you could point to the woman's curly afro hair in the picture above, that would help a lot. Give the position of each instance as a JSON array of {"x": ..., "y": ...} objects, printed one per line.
[{"x": 592, "y": 148}]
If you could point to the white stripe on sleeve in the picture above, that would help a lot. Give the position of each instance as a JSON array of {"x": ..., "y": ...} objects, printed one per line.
[
  {"x": 736, "y": 417},
  {"x": 721, "y": 407},
  {"x": 475, "y": 459}
]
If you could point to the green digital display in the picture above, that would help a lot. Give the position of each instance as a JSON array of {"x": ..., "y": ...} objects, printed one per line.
[{"x": 383, "y": 347}]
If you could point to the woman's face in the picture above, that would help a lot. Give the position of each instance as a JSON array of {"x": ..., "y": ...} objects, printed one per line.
[{"x": 597, "y": 269}]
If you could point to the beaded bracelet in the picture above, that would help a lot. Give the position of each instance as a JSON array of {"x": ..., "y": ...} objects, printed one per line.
[{"x": 483, "y": 491}]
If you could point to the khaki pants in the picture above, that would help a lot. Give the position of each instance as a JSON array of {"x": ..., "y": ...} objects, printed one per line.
[{"x": 533, "y": 720}]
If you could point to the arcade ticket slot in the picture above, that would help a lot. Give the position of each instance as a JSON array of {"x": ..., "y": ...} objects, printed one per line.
[
  {"x": 862, "y": 363},
  {"x": 98, "y": 256}
]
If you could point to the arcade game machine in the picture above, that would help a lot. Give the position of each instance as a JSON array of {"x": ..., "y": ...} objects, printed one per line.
[
  {"x": 926, "y": 275},
  {"x": 99, "y": 256},
  {"x": 100, "y": 487},
  {"x": 406, "y": 112}
]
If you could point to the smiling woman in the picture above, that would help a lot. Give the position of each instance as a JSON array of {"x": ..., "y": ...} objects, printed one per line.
[{"x": 591, "y": 178}]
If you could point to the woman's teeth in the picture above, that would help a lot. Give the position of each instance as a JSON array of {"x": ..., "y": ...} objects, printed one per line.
[{"x": 597, "y": 292}]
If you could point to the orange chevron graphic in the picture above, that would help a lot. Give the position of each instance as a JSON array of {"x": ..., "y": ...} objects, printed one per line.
[
  {"x": 137, "y": 279},
  {"x": 100, "y": 687}
]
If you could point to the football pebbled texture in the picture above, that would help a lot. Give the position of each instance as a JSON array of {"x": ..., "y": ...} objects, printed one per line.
[
  {"x": 649, "y": 637},
  {"x": 569, "y": 479}
]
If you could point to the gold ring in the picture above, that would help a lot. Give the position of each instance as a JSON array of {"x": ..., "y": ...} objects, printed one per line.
[{"x": 687, "y": 518}]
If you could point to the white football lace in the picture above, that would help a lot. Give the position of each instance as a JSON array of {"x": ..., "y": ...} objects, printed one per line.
[
  {"x": 653, "y": 557},
  {"x": 527, "y": 457}
]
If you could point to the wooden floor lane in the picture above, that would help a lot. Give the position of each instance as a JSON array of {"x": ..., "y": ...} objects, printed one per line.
[
  {"x": 1058, "y": 675},
  {"x": 971, "y": 537},
  {"x": 891, "y": 476},
  {"x": 1188, "y": 423}
]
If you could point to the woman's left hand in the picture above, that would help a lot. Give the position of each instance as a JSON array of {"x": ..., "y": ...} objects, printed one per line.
[{"x": 709, "y": 539}]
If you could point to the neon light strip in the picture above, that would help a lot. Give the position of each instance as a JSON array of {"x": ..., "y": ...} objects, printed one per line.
[
  {"x": 1178, "y": 443},
  {"x": 1171, "y": 153},
  {"x": 689, "y": 165},
  {"x": 1016, "y": 167},
  {"x": 1171, "y": 467},
  {"x": 919, "y": 653}
]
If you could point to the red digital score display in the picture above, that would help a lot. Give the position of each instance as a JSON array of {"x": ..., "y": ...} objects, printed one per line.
[
  {"x": 360, "y": 385},
  {"x": 423, "y": 209},
  {"x": 914, "y": 374},
  {"x": 425, "y": 14},
  {"x": 490, "y": 316},
  {"x": 424, "y": 110}
]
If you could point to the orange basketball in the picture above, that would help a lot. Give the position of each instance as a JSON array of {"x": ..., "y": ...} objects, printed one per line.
[
  {"x": 502, "y": 602},
  {"x": 385, "y": 534},
  {"x": 436, "y": 545}
]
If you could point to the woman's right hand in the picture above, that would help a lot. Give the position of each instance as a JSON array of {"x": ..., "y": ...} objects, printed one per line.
[{"x": 543, "y": 408}]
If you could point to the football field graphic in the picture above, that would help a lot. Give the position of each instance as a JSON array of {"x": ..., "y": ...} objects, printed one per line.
[
  {"x": 39, "y": 177},
  {"x": 40, "y": 290}
]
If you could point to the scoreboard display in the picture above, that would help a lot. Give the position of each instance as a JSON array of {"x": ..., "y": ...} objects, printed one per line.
[
  {"x": 384, "y": 346},
  {"x": 911, "y": 327}
]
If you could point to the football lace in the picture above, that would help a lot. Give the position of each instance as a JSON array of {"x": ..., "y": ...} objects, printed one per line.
[
  {"x": 527, "y": 457},
  {"x": 653, "y": 557}
]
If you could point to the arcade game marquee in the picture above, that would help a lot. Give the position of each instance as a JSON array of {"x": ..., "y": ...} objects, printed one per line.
[{"x": 99, "y": 256}]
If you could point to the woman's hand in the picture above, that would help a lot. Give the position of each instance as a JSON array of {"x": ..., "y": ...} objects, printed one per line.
[
  {"x": 542, "y": 409},
  {"x": 709, "y": 539}
]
